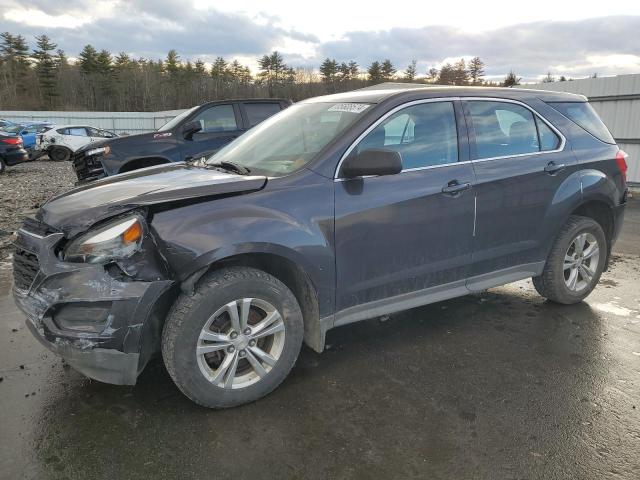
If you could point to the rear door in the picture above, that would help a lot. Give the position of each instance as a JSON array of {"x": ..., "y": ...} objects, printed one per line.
[
  {"x": 520, "y": 162},
  {"x": 220, "y": 125},
  {"x": 400, "y": 237}
]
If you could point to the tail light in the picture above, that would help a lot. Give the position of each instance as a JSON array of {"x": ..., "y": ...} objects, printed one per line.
[
  {"x": 621, "y": 161},
  {"x": 12, "y": 140}
]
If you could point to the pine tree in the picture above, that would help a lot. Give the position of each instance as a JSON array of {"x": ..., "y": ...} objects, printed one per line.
[
  {"x": 88, "y": 60},
  {"x": 329, "y": 70},
  {"x": 460, "y": 73},
  {"x": 354, "y": 69},
  {"x": 219, "y": 68},
  {"x": 411, "y": 71},
  {"x": 46, "y": 69},
  {"x": 387, "y": 71},
  {"x": 447, "y": 75},
  {"x": 511, "y": 80},
  {"x": 374, "y": 72},
  {"x": 476, "y": 71},
  {"x": 200, "y": 67},
  {"x": 172, "y": 63}
]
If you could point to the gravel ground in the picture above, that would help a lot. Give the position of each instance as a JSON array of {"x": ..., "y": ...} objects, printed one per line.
[{"x": 26, "y": 187}]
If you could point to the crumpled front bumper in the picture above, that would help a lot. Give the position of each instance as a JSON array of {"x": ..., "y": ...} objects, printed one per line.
[{"x": 117, "y": 349}]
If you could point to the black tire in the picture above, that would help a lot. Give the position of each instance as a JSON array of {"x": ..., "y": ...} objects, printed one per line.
[
  {"x": 551, "y": 284},
  {"x": 3, "y": 167},
  {"x": 59, "y": 154},
  {"x": 190, "y": 314}
]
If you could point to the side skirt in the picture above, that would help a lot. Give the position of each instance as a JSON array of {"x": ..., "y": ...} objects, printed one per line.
[{"x": 430, "y": 295}]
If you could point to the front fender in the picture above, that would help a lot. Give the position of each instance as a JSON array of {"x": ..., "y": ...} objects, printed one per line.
[{"x": 294, "y": 223}]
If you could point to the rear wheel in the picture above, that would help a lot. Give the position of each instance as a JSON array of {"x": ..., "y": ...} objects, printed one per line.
[
  {"x": 3, "y": 167},
  {"x": 59, "y": 154},
  {"x": 235, "y": 339},
  {"x": 575, "y": 263}
]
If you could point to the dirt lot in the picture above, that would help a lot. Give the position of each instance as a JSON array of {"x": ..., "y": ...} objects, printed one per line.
[
  {"x": 24, "y": 188},
  {"x": 499, "y": 385}
]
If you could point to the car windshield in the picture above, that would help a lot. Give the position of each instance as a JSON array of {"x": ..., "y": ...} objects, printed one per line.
[
  {"x": 289, "y": 140},
  {"x": 14, "y": 128},
  {"x": 176, "y": 120}
]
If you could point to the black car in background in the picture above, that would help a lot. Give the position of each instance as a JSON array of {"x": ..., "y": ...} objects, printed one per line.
[
  {"x": 12, "y": 151},
  {"x": 197, "y": 132}
]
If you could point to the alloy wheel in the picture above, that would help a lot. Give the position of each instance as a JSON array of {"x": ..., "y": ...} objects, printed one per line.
[
  {"x": 240, "y": 343},
  {"x": 581, "y": 262}
]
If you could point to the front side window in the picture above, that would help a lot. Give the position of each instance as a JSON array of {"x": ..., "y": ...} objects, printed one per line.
[
  {"x": 220, "y": 118},
  {"x": 505, "y": 129},
  {"x": 287, "y": 141},
  {"x": 424, "y": 135}
]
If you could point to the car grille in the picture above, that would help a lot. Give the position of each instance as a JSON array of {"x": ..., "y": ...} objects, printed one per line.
[
  {"x": 25, "y": 269},
  {"x": 88, "y": 168},
  {"x": 32, "y": 225}
]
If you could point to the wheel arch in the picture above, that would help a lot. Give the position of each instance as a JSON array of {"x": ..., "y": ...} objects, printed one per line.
[{"x": 284, "y": 268}]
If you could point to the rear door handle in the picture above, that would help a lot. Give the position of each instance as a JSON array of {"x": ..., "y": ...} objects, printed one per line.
[
  {"x": 454, "y": 188},
  {"x": 553, "y": 167}
]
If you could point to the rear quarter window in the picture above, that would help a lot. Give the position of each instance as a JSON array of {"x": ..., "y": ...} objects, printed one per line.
[{"x": 583, "y": 114}]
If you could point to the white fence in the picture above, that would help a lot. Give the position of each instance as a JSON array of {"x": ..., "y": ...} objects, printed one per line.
[
  {"x": 617, "y": 101},
  {"x": 119, "y": 122}
]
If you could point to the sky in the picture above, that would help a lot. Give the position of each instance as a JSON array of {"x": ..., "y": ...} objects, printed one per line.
[{"x": 575, "y": 39}]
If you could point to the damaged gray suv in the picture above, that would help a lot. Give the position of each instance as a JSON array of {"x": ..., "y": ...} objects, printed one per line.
[{"x": 338, "y": 209}]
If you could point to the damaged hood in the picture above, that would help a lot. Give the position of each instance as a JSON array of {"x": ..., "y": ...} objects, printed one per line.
[{"x": 76, "y": 210}]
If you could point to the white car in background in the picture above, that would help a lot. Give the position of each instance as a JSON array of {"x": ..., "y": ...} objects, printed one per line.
[{"x": 62, "y": 141}]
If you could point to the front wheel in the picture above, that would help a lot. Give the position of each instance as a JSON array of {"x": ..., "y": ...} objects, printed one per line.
[
  {"x": 59, "y": 154},
  {"x": 235, "y": 339},
  {"x": 575, "y": 263}
]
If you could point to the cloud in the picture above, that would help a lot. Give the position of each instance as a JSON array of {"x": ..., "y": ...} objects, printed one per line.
[
  {"x": 607, "y": 45},
  {"x": 530, "y": 49},
  {"x": 152, "y": 29}
]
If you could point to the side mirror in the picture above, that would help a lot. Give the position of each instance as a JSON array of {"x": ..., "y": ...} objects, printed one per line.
[
  {"x": 375, "y": 161},
  {"x": 191, "y": 128}
]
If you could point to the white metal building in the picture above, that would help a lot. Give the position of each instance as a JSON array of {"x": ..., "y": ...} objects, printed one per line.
[
  {"x": 129, "y": 122},
  {"x": 617, "y": 101}
]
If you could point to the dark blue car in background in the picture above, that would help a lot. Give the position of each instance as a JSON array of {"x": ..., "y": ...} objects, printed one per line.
[{"x": 335, "y": 210}]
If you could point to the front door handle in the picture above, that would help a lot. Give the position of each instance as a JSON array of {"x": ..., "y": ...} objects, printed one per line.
[
  {"x": 454, "y": 188},
  {"x": 552, "y": 168}
]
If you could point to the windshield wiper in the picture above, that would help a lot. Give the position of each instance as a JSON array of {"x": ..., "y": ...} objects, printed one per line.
[{"x": 230, "y": 166}]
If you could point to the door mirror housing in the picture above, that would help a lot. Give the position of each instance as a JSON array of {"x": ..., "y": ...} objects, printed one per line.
[
  {"x": 191, "y": 128},
  {"x": 374, "y": 161}
]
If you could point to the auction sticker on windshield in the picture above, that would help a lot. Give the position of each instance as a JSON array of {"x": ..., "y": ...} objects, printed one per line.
[{"x": 349, "y": 107}]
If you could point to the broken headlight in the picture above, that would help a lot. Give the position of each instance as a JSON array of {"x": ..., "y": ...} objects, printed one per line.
[{"x": 113, "y": 241}]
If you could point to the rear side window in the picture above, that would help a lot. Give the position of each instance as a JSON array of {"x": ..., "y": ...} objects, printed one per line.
[
  {"x": 584, "y": 115},
  {"x": 505, "y": 129},
  {"x": 257, "y": 112}
]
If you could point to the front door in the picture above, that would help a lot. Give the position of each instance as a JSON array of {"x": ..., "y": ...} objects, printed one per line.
[
  {"x": 403, "y": 238},
  {"x": 520, "y": 163},
  {"x": 220, "y": 125}
]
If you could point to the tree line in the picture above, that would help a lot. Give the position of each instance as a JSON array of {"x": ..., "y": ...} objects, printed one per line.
[{"x": 43, "y": 78}]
